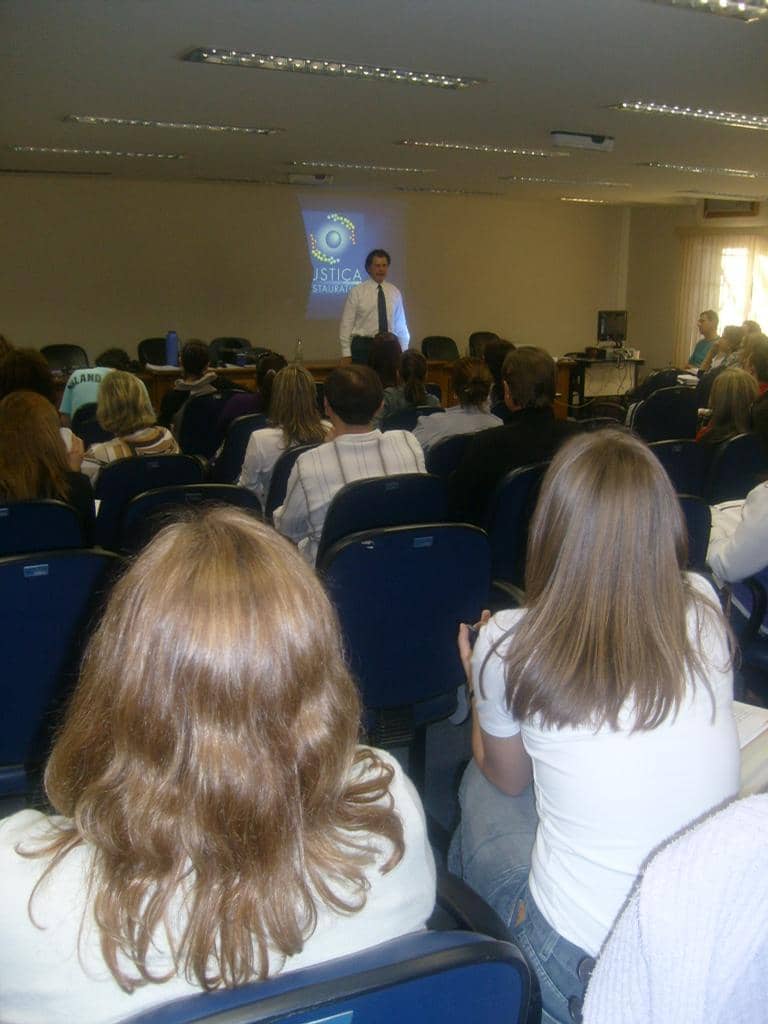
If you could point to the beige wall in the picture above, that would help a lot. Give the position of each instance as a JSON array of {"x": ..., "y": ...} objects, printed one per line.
[{"x": 104, "y": 262}]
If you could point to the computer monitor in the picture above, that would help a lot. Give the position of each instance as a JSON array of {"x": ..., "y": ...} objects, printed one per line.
[{"x": 612, "y": 325}]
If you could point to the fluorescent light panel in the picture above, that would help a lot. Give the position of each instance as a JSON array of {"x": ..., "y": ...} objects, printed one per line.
[
  {"x": 480, "y": 148},
  {"x": 719, "y": 195},
  {"x": 575, "y": 199},
  {"x": 726, "y": 8},
  {"x": 360, "y": 167},
  {"x": 693, "y": 169},
  {"x": 758, "y": 122},
  {"x": 72, "y": 151},
  {"x": 136, "y": 122},
  {"x": 525, "y": 179},
  {"x": 332, "y": 68},
  {"x": 445, "y": 191}
]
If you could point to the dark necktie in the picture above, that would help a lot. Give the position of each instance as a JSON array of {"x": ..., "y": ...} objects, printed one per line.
[{"x": 383, "y": 326}]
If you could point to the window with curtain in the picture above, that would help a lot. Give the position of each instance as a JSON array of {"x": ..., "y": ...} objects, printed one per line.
[{"x": 725, "y": 271}]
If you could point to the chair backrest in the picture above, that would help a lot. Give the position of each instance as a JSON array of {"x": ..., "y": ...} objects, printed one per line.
[
  {"x": 596, "y": 422},
  {"x": 218, "y": 344},
  {"x": 400, "y": 500},
  {"x": 738, "y": 465},
  {"x": 152, "y": 350},
  {"x": 226, "y": 469},
  {"x": 47, "y": 601},
  {"x": 433, "y": 388},
  {"x": 406, "y": 419},
  {"x": 450, "y": 977},
  {"x": 124, "y": 479},
  {"x": 509, "y": 513},
  {"x": 65, "y": 357},
  {"x": 656, "y": 380},
  {"x": 686, "y": 462},
  {"x": 87, "y": 427},
  {"x": 401, "y": 593},
  {"x": 438, "y": 346},
  {"x": 39, "y": 526},
  {"x": 148, "y": 512},
  {"x": 198, "y": 430},
  {"x": 360, "y": 349},
  {"x": 603, "y": 409},
  {"x": 698, "y": 520},
  {"x": 667, "y": 413},
  {"x": 444, "y": 457},
  {"x": 278, "y": 483}
]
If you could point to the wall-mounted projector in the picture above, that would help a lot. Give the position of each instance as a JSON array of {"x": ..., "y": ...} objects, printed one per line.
[
  {"x": 310, "y": 179},
  {"x": 581, "y": 140}
]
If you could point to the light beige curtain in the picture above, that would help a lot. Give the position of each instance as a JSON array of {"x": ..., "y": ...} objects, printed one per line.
[{"x": 726, "y": 271}]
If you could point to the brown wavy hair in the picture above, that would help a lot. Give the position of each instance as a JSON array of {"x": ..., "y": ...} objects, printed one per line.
[
  {"x": 293, "y": 406},
  {"x": 33, "y": 460},
  {"x": 413, "y": 372},
  {"x": 471, "y": 381},
  {"x": 605, "y": 595},
  {"x": 210, "y": 750}
]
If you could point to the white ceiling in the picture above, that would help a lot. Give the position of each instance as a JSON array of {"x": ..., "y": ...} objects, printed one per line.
[{"x": 548, "y": 65}]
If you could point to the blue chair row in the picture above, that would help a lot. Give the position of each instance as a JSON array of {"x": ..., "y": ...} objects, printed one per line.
[
  {"x": 721, "y": 473},
  {"x": 670, "y": 412}
]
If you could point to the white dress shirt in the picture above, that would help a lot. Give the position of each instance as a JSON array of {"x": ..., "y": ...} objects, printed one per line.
[
  {"x": 318, "y": 474},
  {"x": 361, "y": 314}
]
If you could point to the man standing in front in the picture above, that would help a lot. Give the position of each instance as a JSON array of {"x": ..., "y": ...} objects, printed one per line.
[
  {"x": 353, "y": 396},
  {"x": 707, "y": 325},
  {"x": 373, "y": 307}
]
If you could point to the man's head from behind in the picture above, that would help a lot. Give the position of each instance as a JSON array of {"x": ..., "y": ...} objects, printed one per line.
[
  {"x": 194, "y": 359},
  {"x": 529, "y": 379},
  {"x": 353, "y": 393}
]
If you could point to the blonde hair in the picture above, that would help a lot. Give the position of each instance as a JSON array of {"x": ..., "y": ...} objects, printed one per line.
[
  {"x": 211, "y": 749},
  {"x": 33, "y": 460},
  {"x": 731, "y": 398},
  {"x": 605, "y": 596},
  {"x": 293, "y": 406},
  {"x": 124, "y": 406}
]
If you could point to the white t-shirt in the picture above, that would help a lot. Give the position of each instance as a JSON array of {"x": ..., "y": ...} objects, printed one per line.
[
  {"x": 264, "y": 449},
  {"x": 605, "y": 799},
  {"x": 44, "y": 981}
]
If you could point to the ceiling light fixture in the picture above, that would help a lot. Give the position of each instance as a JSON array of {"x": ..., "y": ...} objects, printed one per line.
[
  {"x": 360, "y": 167},
  {"x": 758, "y": 122},
  {"x": 693, "y": 169},
  {"x": 725, "y": 8},
  {"x": 575, "y": 199},
  {"x": 718, "y": 195},
  {"x": 480, "y": 148},
  {"x": 135, "y": 122},
  {"x": 72, "y": 151},
  {"x": 333, "y": 68},
  {"x": 445, "y": 191},
  {"x": 565, "y": 181}
]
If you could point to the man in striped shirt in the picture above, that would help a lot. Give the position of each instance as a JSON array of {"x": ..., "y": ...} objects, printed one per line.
[{"x": 355, "y": 451}]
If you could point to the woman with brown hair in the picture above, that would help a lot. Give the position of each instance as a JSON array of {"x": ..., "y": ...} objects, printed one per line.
[
  {"x": 295, "y": 420},
  {"x": 411, "y": 392},
  {"x": 612, "y": 690},
  {"x": 33, "y": 460},
  {"x": 471, "y": 381},
  {"x": 217, "y": 821},
  {"x": 730, "y": 399},
  {"x": 124, "y": 409}
]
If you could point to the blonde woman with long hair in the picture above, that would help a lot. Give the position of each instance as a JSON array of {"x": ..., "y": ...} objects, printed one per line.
[
  {"x": 611, "y": 692},
  {"x": 216, "y": 820},
  {"x": 295, "y": 419}
]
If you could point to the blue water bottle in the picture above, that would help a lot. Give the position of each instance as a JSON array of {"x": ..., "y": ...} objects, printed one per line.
[{"x": 171, "y": 349}]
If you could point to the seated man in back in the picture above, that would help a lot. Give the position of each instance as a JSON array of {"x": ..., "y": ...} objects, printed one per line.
[
  {"x": 532, "y": 434},
  {"x": 356, "y": 451}
]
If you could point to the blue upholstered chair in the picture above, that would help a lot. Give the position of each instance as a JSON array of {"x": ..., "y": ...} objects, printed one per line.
[
  {"x": 198, "y": 430},
  {"x": 666, "y": 413},
  {"x": 509, "y": 513},
  {"x": 698, "y": 520},
  {"x": 65, "y": 357},
  {"x": 737, "y": 466},
  {"x": 686, "y": 462},
  {"x": 39, "y": 526},
  {"x": 439, "y": 346},
  {"x": 278, "y": 483},
  {"x": 406, "y": 419},
  {"x": 226, "y": 469},
  {"x": 444, "y": 457}
]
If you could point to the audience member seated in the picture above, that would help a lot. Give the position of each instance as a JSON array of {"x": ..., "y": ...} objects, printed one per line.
[
  {"x": 495, "y": 352},
  {"x": 124, "y": 410},
  {"x": 25, "y": 369},
  {"x": 197, "y": 379},
  {"x": 751, "y": 327},
  {"x": 357, "y": 451},
  {"x": 726, "y": 350},
  {"x": 471, "y": 381},
  {"x": 707, "y": 326},
  {"x": 612, "y": 687},
  {"x": 295, "y": 420},
  {"x": 411, "y": 392},
  {"x": 731, "y": 398},
  {"x": 34, "y": 463},
  {"x": 755, "y": 360},
  {"x": 216, "y": 820},
  {"x": 692, "y": 943},
  {"x": 532, "y": 434},
  {"x": 245, "y": 403},
  {"x": 477, "y": 342},
  {"x": 82, "y": 387}
]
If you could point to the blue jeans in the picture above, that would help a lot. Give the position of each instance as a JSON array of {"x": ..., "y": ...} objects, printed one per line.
[{"x": 491, "y": 851}]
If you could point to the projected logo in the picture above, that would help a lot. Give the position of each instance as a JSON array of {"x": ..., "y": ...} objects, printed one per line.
[{"x": 331, "y": 241}]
